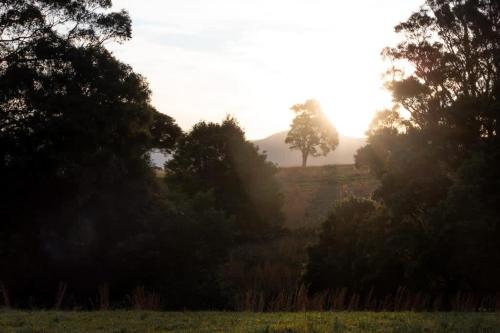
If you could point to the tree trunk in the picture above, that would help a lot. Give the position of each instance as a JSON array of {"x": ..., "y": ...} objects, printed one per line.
[{"x": 304, "y": 159}]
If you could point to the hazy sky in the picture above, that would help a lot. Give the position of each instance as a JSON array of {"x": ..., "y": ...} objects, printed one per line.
[{"x": 254, "y": 59}]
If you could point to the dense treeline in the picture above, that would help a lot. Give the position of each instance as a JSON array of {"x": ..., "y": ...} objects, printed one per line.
[
  {"x": 436, "y": 224},
  {"x": 85, "y": 220},
  {"x": 80, "y": 202}
]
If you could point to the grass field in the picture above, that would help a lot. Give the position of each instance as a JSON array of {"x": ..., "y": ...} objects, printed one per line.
[
  {"x": 130, "y": 321},
  {"x": 310, "y": 193}
]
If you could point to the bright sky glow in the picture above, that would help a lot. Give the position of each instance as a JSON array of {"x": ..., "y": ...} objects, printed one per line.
[{"x": 255, "y": 59}]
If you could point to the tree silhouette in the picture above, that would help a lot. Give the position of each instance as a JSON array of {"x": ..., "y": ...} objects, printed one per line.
[
  {"x": 311, "y": 132},
  {"x": 352, "y": 250},
  {"x": 32, "y": 30},
  {"x": 439, "y": 167},
  {"x": 218, "y": 158},
  {"x": 76, "y": 126}
]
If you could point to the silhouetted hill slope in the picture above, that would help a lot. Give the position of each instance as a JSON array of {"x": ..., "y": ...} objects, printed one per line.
[
  {"x": 310, "y": 193},
  {"x": 279, "y": 152}
]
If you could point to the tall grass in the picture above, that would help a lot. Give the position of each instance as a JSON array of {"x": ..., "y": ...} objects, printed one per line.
[
  {"x": 5, "y": 295},
  {"x": 103, "y": 297},
  {"x": 144, "y": 300},
  {"x": 342, "y": 299},
  {"x": 300, "y": 299},
  {"x": 60, "y": 295}
]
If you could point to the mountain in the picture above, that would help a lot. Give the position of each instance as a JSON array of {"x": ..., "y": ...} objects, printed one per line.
[{"x": 279, "y": 152}]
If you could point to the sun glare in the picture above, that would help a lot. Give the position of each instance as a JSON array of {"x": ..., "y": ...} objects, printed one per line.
[
  {"x": 202, "y": 66},
  {"x": 351, "y": 114}
]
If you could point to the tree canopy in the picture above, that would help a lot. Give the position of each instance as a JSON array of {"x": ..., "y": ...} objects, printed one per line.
[
  {"x": 76, "y": 127},
  {"x": 29, "y": 26},
  {"x": 311, "y": 132},
  {"x": 439, "y": 139},
  {"x": 352, "y": 250},
  {"x": 217, "y": 158}
]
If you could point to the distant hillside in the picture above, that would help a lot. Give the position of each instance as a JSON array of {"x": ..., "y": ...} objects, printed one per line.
[
  {"x": 279, "y": 152},
  {"x": 310, "y": 193}
]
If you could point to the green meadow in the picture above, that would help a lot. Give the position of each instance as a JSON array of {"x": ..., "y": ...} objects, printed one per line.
[{"x": 208, "y": 322}]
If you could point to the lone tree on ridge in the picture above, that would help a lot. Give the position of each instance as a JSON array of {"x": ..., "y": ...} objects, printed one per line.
[{"x": 311, "y": 132}]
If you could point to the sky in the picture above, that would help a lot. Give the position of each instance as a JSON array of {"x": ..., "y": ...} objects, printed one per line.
[{"x": 255, "y": 59}]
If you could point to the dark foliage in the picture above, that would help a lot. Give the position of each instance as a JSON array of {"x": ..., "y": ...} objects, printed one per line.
[
  {"x": 218, "y": 158},
  {"x": 353, "y": 250},
  {"x": 439, "y": 166},
  {"x": 79, "y": 201}
]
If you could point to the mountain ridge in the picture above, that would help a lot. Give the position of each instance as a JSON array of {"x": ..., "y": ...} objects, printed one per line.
[{"x": 278, "y": 151}]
